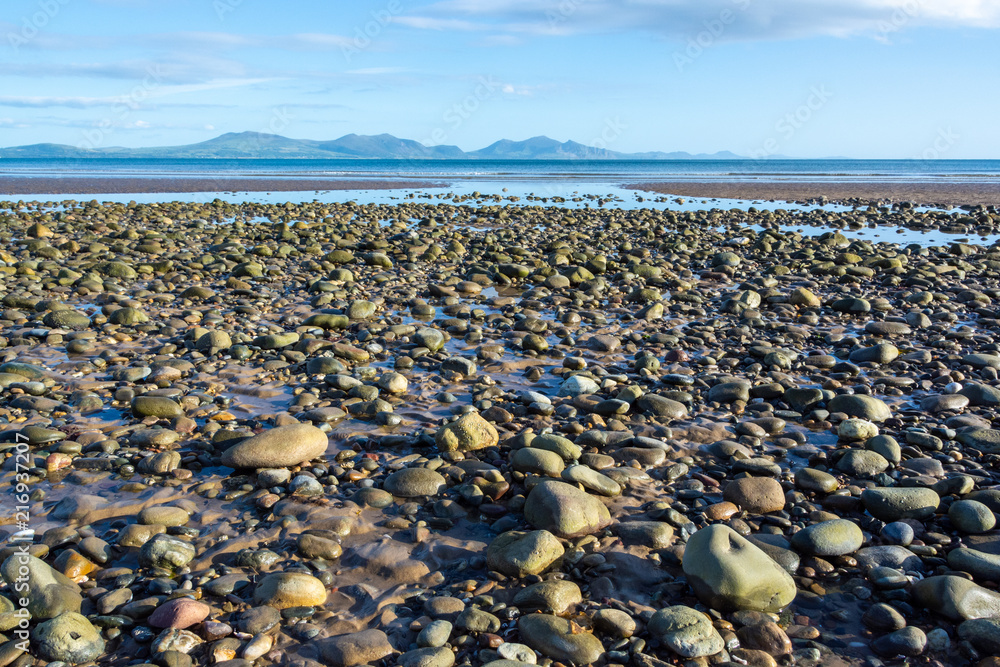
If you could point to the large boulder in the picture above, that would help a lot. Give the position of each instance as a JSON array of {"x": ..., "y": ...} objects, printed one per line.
[{"x": 729, "y": 573}]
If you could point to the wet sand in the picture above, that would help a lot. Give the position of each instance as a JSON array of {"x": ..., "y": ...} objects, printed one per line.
[
  {"x": 116, "y": 185},
  {"x": 946, "y": 194}
]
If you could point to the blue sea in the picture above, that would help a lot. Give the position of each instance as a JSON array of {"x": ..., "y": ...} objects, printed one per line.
[{"x": 583, "y": 171}]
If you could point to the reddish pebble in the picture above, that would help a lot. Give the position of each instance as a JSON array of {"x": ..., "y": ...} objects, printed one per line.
[{"x": 179, "y": 613}]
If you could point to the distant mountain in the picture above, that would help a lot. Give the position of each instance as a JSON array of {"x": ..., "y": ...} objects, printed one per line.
[{"x": 235, "y": 145}]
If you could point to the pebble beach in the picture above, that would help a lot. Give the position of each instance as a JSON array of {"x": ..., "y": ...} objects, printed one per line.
[{"x": 492, "y": 430}]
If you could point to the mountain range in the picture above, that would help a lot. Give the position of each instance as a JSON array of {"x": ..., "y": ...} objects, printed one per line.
[{"x": 235, "y": 145}]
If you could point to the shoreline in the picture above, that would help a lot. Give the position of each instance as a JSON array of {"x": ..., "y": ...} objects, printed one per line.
[
  {"x": 26, "y": 185},
  {"x": 948, "y": 194}
]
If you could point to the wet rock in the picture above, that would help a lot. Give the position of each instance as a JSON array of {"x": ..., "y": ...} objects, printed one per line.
[
  {"x": 896, "y": 503},
  {"x": 518, "y": 554},
  {"x": 727, "y": 572},
  {"x": 358, "y": 648},
  {"x": 868, "y": 408},
  {"x": 686, "y": 632},
  {"x": 49, "y": 592},
  {"x": 278, "y": 447},
  {"x": 415, "y": 482},
  {"x": 554, "y": 637},
  {"x": 69, "y": 637},
  {"x": 758, "y": 495},
  {"x": 469, "y": 433},
  {"x": 956, "y": 597},
  {"x": 290, "y": 589},
  {"x": 565, "y": 510},
  {"x": 838, "y": 537}
]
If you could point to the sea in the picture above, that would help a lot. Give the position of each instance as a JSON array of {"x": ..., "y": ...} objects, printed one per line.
[{"x": 581, "y": 171}]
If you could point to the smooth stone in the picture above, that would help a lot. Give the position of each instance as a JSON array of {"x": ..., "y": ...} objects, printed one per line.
[
  {"x": 415, "y": 482},
  {"x": 537, "y": 461},
  {"x": 49, "y": 592},
  {"x": 909, "y": 641},
  {"x": 549, "y": 596},
  {"x": 69, "y": 637},
  {"x": 729, "y": 573},
  {"x": 554, "y": 637},
  {"x": 685, "y": 631},
  {"x": 979, "y": 564},
  {"x": 860, "y": 406},
  {"x": 179, "y": 613},
  {"x": 896, "y": 503},
  {"x": 565, "y": 510},
  {"x": 283, "y": 590},
  {"x": 518, "y": 554},
  {"x": 163, "y": 516},
  {"x": 166, "y": 551},
  {"x": 818, "y": 481},
  {"x": 468, "y": 433},
  {"x": 591, "y": 480},
  {"x": 614, "y": 622},
  {"x": 956, "y": 597},
  {"x": 838, "y": 537},
  {"x": 427, "y": 657},
  {"x": 280, "y": 447},
  {"x": 983, "y": 633},
  {"x": 661, "y": 406},
  {"x": 862, "y": 463},
  {"x": 358, "y": 648},
  {"x": 986, "y": 440},
  {"x": 970, "y": 516},
  {"x": 579, "y": 385},
  {"x": 651, "y": 534},
  {"x": 156, "y": 406},
  {"x": 757, "y": 495},
  {"x": 436, "y": 633}
]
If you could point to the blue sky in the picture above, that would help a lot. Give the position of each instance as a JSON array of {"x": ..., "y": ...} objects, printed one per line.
[{"x": 806, "y": 78}]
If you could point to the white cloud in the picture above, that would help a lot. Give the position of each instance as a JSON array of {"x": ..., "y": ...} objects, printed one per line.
[{"x": 740, "y": 19}]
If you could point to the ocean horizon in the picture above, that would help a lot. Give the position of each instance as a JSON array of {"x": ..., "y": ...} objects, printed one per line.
[{"x": 867, "y": 170}]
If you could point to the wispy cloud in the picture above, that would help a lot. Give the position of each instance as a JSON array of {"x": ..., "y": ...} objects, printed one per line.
[
  {"x": 777, "y": 19},
  {"x": 41, "y": 102}
]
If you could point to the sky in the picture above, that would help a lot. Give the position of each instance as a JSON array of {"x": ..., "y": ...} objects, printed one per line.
[{"x": 907, "y": 79}]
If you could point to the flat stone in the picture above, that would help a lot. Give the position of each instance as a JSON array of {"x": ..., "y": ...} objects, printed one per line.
[
  {"x": 415, "y": 482},
  {"x": 358, "y": 648},
  {"x": 283, "y": 590},
  {"x": 896, "y": 503},
  {"x": 279, "y": 447}
]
